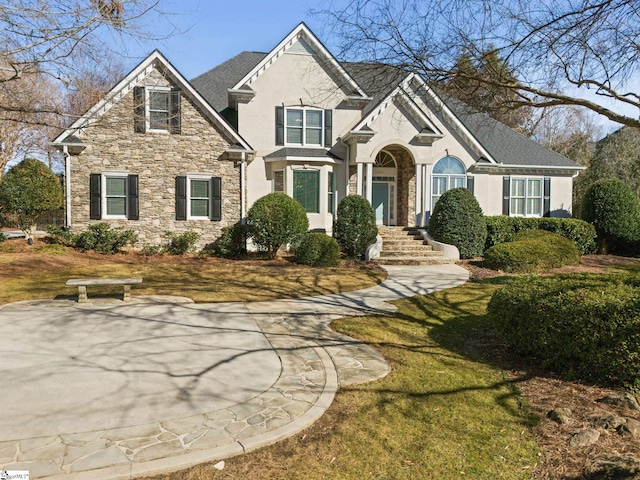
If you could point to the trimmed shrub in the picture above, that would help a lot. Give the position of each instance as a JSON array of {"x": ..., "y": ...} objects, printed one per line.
[
  {"x": 180, "y": 243},
  {"x": 582, "y": 326},
  {"x": 611, "y": 206},
  {"x": 355, "y": 225},
  {"x": 232, "y": 243},
  {"x": 501, "y": 229},
  {"x": 318, "y": 250},
  {"x": 104, "y": 239},
  {"x": 61, "y": 236},
  {"x": 532, "y": 251},
  {"x": 457, "y": 219},
  {"x": 275, "y": 220}
]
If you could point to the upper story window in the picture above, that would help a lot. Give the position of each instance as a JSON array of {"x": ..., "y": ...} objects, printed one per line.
[
  {"x": 304, "y": 126},
  {"x": 448, "y": 173},
  {"x": 157, "y": 109}
]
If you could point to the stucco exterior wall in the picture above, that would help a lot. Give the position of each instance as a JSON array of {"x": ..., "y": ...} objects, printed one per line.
[{"x": 157, "y": 158}]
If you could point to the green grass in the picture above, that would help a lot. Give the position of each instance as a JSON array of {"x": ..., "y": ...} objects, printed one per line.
[{"x": 443, "y": 412}]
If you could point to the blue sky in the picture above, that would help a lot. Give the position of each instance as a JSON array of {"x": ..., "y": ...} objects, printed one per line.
[{"x": 215, "y": 31}]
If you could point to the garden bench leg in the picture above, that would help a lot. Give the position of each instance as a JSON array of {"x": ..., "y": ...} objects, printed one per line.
[
  {"x": 127, "y": 293},
  {"x": 82, "y": 294}
]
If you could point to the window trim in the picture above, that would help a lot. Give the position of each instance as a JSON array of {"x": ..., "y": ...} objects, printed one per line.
[
  {"x": 147, "y": 108},
  {"x": 526, "y": 197},
  {"x": 103, "y": 200},
  {"x": 200, "y": 177},
  {"x": 448, "y": 177},
  {"x": 304, "y": 127},
  {"x": 318, "y": 173},
  {"x": 331, "y": 192}
]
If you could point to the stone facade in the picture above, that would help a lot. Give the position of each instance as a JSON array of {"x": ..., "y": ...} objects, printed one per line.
[{"x": 157, "y": 158}]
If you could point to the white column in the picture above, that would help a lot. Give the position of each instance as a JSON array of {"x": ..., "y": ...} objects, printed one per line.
[
  {"x": 369, "y": 181},
  {"x": 359, "y": 179},
  {"x": 419, "y": 211},
  {"x": 426, "y": 182}
]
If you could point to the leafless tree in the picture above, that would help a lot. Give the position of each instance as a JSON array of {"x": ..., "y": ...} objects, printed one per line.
[
  {"x": 56, "y": 56},
  {"x": 566, "y": 52}
]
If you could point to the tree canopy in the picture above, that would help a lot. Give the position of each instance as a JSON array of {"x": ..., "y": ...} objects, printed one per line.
[{"x": 569, "y": 52}]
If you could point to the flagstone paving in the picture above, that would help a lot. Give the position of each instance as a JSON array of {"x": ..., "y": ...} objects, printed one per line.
[{"x": 110, "y": 390}]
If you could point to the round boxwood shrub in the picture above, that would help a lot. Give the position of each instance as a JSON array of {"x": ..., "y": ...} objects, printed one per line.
[
  {"x": 275, "y": 220},
  {"x": 532, "y": 251},
  {"x": 355, "y": 225},
  {"x": 457, "y": 219},
  {"x": 584, "y": 327},
  {"x": 318, "y": 250},
  {"x": 611, "y": 206}
]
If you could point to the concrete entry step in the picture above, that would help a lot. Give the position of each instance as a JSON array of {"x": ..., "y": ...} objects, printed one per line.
[{"x": 405, "y": 246}]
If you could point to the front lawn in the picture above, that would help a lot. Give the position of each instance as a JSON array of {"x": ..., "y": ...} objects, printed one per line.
[
  {"x": 441, "y": 413},
  {"x": 40, "y": 272}
]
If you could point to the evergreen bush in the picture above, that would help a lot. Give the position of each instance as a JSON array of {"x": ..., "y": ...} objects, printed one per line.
[
  {"x": 457, "y": 219},
  {"x": 232, "y": 243},
  {"x": 104, "y": 239},
  {"x": 180, "y": 243},
  {"x": 501, "y": 229},
  {"x": 355, "y": 225},
  {"x": 275, "y": 220},
  {"x": 318, "y": 250},
  {"x": 611, "y": 206},
  {"x": 532, "y": 251},
  {"x": 584, "y": 327}
]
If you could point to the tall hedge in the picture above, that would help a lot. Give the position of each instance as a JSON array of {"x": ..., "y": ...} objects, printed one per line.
[
  {"x": 611, "y": 206},
  {"x": 501, "y": 229},
  {"x": 355, "y": 225},
  {"x": 29, "y": 189},
  {"x": 457, "y": 219},
  {"x": 275, "y": 220},
  {"x": 582, "y": 326}
]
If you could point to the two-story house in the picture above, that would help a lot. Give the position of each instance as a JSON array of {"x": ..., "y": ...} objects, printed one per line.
[{"x": 162, "y": 153}]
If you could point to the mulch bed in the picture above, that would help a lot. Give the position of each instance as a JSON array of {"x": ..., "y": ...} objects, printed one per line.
[{"x": 545, "y": 392}]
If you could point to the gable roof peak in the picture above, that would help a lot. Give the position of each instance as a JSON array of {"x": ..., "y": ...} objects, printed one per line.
[{"x": 301, "y": 31}]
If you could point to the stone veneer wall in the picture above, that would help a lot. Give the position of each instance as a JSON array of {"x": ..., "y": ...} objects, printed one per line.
[{"x": 112, "y": 146}]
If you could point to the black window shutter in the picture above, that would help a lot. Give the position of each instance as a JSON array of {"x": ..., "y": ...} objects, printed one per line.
[
  {"x": 181, "y": 198},
  {"x": 133, "y": 203},
  {"x": 279, "y": 125},
  {"x": 506, "y": 194},
  {"x": 471, "y": 184},
  {"x": 95, "y": 196},
  {"x": 216, "y": 199},
  {"x": 175, "y": 121},
  {"x": 546, "y": 200},
  {"x": 328, "y": 123},
  {"x": 139, "y": 117}
]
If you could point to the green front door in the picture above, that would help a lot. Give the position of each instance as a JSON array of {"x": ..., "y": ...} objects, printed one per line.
[{"x": 380, "y": 202}]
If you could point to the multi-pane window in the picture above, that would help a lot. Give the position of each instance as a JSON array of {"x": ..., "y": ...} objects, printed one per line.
[
  {"x": 448, "y": 173},
  {"x": 304, "y": 126},
  {"x": 306, "y": 189},
  {"x": 526, "y": 197},
  {"x": 330, "y": 196},
  {"x": 159, "y": 109},
  {"x": 116, "y": 195},
  {"x": 278, "y": 181},
  {"x": 199, "y": 199}
]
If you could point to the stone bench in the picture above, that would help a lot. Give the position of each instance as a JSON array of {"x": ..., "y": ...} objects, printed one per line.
[{"x": 83, "y": 283}]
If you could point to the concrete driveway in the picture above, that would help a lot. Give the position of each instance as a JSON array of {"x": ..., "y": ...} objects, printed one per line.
[{"x": 112, "y": 390}]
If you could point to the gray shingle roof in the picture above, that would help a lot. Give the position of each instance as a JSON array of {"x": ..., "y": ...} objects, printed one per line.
[
  {"x": 504, "y": 144},
  {"x": 213, "y": 84},
  {"x": 303, "y": 152}
]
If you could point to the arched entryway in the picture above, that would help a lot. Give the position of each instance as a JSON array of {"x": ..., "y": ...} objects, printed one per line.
[{"x": 393, "y": 186}]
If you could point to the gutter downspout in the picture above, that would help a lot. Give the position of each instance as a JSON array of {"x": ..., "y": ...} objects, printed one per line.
[
  {"x": 243, "y": 189},
  {"x": 67, "y": 185}
]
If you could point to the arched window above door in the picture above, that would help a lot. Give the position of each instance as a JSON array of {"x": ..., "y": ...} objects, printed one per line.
[
  {"x": 448, "y": 173},
  {"x": 385, "y": 159}
]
